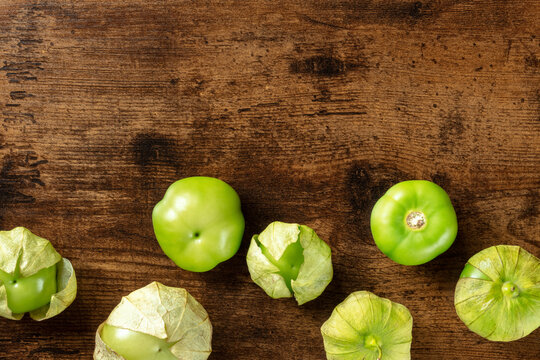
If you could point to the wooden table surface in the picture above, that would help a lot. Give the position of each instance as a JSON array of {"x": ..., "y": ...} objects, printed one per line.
[{"x": 309, "y": 109}]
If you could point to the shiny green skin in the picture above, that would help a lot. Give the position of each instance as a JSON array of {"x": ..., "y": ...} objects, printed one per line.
[
  {"x": 133, "y": 345},
  {"x": 25, "y": 294},
  {"x": 403, "y": 244},
  {"x": 289, "y": 263},
  {"x": 199, "y": 223}
]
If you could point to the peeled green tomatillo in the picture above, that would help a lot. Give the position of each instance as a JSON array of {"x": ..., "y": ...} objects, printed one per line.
[
  {"x": 199, "y": 223},
  {"x": 155, "y": 322},
  {"x": 365, "y": 326},
  {"x": 290, "y": 259},
  {"x": 498, "y": 293},
  {"x": 414, "y": 222},
  {"x": 34, "y": 278}
]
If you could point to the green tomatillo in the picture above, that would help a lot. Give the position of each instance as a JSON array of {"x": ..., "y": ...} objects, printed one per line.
[
  {"x": 34, "y": 278},
  {"x": 199, "y": 223},
  {"x": 290, "y": 259},
  {"x": 414, "y": 222},
  {"x": 365, "y": 326},
  {"x": 498, "y": 293},
  {"x": 26, "y": 294},
  {"x": 155, "y": 322}
]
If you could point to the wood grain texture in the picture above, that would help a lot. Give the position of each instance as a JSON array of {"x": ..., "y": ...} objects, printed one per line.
[{"x": 309, "y": 109}]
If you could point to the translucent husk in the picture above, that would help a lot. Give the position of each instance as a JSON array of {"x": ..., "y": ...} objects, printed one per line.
[
  {"x": 20, "y": 248},
  {"x": 167, "y": 313},
  {"x": 365, "y": 326},
  {"x": 315, "y": 272},
  {"x": 481, "y": 303}
]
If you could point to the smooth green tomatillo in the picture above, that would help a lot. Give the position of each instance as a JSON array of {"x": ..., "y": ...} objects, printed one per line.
[
  {"x": 25, "y": 294},
  {"x": 414, "y": 222},
  {"x": 290, "y": 260},
  {"x": 365, "y": 326},
  {"x": 133, "y": 345},
  {"x": 498, "y": 293},
  {"x": 199, "y": 223}
]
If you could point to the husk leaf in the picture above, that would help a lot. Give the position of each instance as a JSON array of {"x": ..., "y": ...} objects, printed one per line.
[
  {"x": 167, "y": 313},
  {"x": 31, "y": 253},
  {"x": 316, "y": 271}
]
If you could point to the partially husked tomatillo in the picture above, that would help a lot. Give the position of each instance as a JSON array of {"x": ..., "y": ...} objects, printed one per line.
[
  {"x": 290, "y": 259},
  {"x": 34, "y": 278},
  {"x": 155, "y": 322}
]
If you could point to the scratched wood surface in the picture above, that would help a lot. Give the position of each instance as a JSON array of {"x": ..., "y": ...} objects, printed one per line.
[{"x": 309, "y": 109}]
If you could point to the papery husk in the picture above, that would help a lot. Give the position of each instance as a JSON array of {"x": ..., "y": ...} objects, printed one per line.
[
  {"x": 31, "y": 253},
  {"x": 315, "y": 272},
  {"x": 167, "y": 313},
  {"x": 364, "y": 314},
  {"x": 481, "y": 305}
]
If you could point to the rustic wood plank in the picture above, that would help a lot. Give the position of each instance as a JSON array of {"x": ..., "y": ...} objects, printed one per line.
[{"x": 311, "y": 110}]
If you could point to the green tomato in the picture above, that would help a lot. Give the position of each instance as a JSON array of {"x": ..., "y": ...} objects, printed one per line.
[
  {"x": 414, "y": 222},
  {"x": 25, "y": 294},
  {"x": 498, "y": 293},
  {"x": 199, "y": 223},
  {"x": 133, "y": 345}
]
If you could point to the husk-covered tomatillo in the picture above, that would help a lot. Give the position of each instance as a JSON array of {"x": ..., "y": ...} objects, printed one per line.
[
  {"x": 290, "y": 259},
  {"x": 498, "y": 293},
  {"x": 156, "y": 322},
  {"x": 365, "y": 326},
  {"x": 34, "y": 278}
]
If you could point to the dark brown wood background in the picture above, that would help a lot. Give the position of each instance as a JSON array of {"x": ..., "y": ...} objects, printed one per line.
[{"x": 309, "y": 109}]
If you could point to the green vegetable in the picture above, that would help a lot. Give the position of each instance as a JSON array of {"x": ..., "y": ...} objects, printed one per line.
[
  {"x": 34, "y": 278},
  {"x": 29, "y": 293},
  {"x": 414, "y": 222},
  {"x": 134, "y": 345},
  {"x": 199, "y": 223},
  {"x": 498, "y": 293},
  {"x": 290, "y": 259},
  {"x": 368, "y": 327},
  {"x": 155, "y": 322}
]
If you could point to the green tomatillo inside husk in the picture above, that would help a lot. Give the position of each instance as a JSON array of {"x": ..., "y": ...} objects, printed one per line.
[
  {"x": 498, "y": 293},
  {"x": 156, "y": 322},
  {"x": 365, "y": 326},
  {"x": 34, "y": 278},
  {"x": 288, "y": 260}
]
